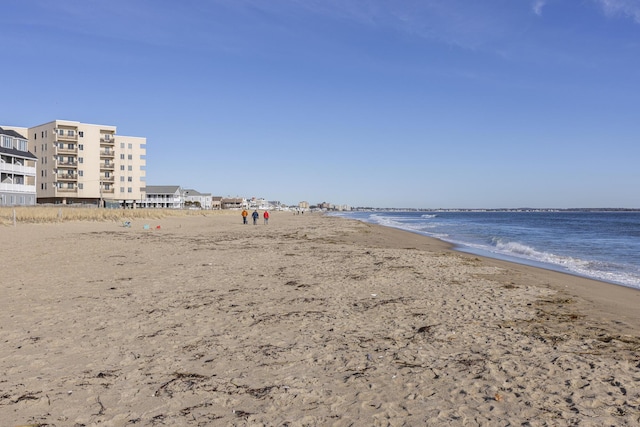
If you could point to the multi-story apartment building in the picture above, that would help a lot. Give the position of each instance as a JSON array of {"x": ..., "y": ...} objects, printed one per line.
[
  {"x": 88, "y": 164},
  {"x": 17, "y": 170}
]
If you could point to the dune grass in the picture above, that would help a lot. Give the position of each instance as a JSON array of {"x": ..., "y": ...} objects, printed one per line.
[{"x": 52, "y": 214}]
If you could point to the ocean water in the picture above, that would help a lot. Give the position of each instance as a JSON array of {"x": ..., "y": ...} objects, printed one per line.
[{"x": 599, "y": 245}]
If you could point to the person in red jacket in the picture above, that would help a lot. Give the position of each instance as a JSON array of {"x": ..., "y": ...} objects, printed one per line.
[{"x": 266, "y": 217}]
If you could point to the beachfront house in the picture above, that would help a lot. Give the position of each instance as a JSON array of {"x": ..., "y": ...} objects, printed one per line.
[
  {"x": 216, "y": 202},
  {"x": 233, "y": 203},
  {"x": 193, "y": 198},
  {"x": 17, "y": 170},
  {"x": 163, "y": 196}
]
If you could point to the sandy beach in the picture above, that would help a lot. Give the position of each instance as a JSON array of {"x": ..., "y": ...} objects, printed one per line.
[{"x": 307, "y": 321}]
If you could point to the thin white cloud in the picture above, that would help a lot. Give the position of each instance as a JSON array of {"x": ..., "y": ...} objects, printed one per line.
[
  {"x": 628, "y": 8},
  {"x": 538, "y": 5}
]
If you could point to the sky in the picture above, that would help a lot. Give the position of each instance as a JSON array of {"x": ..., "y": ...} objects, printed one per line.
[{"x": 378, "y": 103}]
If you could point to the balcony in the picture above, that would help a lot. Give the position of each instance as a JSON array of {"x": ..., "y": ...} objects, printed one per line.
[
  {"x": 66, "y": 190},
  {"x": 107, "y": 166},
  {"x": 60, "y": 150},
  {"x": 67, "y": 177},
  {"x": 8, "y": 167},
  {"x": 107, "y": 179},
  {"x": 18, "y": 188},
  {"x": 67, "y": 137},
  {"x": 109, "y": 190},
  {"x": 107, "y": 153},
  {"x": 66, "y": 163},
  {"x": 110, "y": 141}
]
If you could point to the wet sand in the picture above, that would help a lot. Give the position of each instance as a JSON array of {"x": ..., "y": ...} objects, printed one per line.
[{"x": 307, "y": 321}]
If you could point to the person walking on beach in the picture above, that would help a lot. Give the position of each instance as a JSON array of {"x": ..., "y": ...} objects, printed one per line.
[
  {"x": 266, "y": 217},
  {"x": 245, "y": 214},
  {"x": 255, "y": 215}
]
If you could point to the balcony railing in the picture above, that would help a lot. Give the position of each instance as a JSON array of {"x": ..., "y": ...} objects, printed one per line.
[
  {"x": 110, "y": 141},
  {"x": 66, "y": 137},
  {"x": 109, "y": 153},
  {"x": 18, "y": 188},
  {"x": 8, "y": 167},
  {"x": 67, "y": 176},
  {"x": 108, "y": 166},
  {"x": 66, "y": 190},
  {"x": 66, "y": 150},
  {"x": 66, "y": 163},
  {"x": 107, "y": 178}
]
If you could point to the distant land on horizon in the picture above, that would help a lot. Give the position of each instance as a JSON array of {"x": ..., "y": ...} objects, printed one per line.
[{"x": 366, "y": 209}]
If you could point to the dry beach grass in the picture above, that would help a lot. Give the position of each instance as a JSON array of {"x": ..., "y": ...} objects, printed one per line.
[
  {"x": 309, "y": 321},
  {"x": 50, "y": 214}
]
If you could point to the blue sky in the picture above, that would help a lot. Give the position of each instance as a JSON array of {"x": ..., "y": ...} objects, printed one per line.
[{"x": 395, "y": 103}]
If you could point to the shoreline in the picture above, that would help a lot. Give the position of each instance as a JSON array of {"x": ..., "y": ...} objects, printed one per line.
[
  {"x": 310, "y": 320},
  {"x": 609, "y": 298}
]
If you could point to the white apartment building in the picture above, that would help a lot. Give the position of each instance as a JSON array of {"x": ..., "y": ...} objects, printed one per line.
[
  {"x": 88, "y": 164},
  {"x": 17, "y": 170}
]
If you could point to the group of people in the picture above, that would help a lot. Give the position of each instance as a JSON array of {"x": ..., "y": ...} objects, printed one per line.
[{"x": 255, "y": 215}]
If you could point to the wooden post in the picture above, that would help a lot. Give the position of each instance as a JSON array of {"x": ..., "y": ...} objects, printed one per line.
[{"x": 14, "y": 217}]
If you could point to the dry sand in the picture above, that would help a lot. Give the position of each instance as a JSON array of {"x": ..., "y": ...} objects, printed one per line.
[{"x": 308, "y": 321}]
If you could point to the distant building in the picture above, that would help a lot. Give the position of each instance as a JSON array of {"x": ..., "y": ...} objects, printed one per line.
[
  {"x": 88, "y": 164},
  {"x": 233, "y": 203},
  {"x": 216, "y": 202},
  {"x": 17, "y": 170},
  {"x": 195, "y": 198},
  {"x": 163, "y": 196},
  {"x": 303, "y": 205}
]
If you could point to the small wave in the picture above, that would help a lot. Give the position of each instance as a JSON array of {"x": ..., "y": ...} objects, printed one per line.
[{"x": 427, "y": 216}]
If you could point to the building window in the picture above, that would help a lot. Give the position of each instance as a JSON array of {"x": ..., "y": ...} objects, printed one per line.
[
  {"x": 129, "y": 190},
  {"x": 107, "y": 137},
  {"x": 80, "y": 146},
  {"x": 122, "y": 189},
  {"x": 130, "y": 146},
  {"x": 71, "y": 146},
  {"x": 70, "y": 185},
  {"x": 80, "y": 172},
  {"x": 121, "y": 156},
  {"x": 122, "y": 145},
  {"x": 80, "y": 186},
  {"x": 130, "y": 157},
  {"x": 130, "y": 179},
  {"x": 7, "y": 142},
  {"x": 71, "y": 132},
  {"x": 107, "y": 186},
  {"x": 81, "y": 134},
  {"x": 61, "y": 132},
  {"x": 80, "y": 159},
  {"x": 129, "y": 168},
  {"x": 22, "y": 145},
  {"x": 122, "y": 179},
  {"x": 121, "y": 167}
]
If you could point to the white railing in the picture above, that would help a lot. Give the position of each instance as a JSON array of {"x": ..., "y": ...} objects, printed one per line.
[
  {"x": 18, "y": 188},
  {"x": 8, "y": 167}
]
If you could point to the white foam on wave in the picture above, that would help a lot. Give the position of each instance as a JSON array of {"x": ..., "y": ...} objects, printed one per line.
[
  {"x": 593, "y": 269},
  {"x": 402, "y": 224}
]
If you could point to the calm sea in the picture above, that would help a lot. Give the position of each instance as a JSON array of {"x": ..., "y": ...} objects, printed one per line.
[{"x": 600, "y": 245}]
